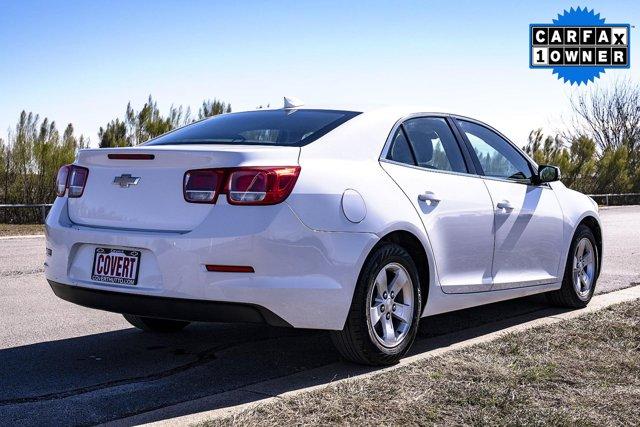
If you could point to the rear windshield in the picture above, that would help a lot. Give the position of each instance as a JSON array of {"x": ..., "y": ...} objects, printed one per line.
[{"x": 266, "y": 127}]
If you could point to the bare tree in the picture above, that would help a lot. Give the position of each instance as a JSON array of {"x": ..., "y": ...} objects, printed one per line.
[{"x": 610, "y": 115}]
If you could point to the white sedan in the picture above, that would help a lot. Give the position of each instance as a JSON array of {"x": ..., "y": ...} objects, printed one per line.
[{"x": 358, "y": 222}]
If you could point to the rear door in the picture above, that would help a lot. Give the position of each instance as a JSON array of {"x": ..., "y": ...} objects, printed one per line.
[
  {"x": 528, "y": 217},
  {"x": 426, "y": 161}
]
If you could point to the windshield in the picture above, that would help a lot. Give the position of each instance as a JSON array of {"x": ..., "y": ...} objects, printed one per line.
[{"x": 266, "y": 127}]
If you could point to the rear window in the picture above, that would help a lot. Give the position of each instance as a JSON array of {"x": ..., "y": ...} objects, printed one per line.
[{"x": 267, "y": 127}]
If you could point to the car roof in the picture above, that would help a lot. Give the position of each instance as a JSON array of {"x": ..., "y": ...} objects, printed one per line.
[
  {"x": 397, "y": 111},
  {"x": 400, "y": 110},
  {"x": 380, "y": 119}
]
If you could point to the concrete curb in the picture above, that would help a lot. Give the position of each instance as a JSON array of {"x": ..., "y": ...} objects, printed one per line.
[
  {"x": 272, "y": 390},
  {"x": 25, "y": 236}
]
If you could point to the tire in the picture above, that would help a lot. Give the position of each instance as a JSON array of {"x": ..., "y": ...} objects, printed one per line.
[
  {"x": 568, "y": 295},
  {"x": 150, "y": 324},
  {"x": 378, "y": 344}
]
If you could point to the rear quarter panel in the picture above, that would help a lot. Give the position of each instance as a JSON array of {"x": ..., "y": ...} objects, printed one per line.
[{"x": 348, "y": 158}]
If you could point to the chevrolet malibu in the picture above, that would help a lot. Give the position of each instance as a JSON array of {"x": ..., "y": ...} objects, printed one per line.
[{"x": 357, "y": 222}]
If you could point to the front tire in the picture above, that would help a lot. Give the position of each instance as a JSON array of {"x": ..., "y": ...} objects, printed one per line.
[
  {"x": 384, "y": 314},
  {"x": 581, "y": 272},
  {"x": 150, "y": 324}
]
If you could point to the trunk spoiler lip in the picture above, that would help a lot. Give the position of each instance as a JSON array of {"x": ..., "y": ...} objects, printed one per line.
[
  {"x": 193, "y": 148},
  {"x": 204, "y": 156}
]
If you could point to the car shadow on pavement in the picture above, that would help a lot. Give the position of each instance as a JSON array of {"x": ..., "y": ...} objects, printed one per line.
[{"x": 109, "y": 376}]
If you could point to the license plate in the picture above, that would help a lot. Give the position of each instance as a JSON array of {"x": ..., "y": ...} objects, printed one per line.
[{"x": 119, "y": 266}]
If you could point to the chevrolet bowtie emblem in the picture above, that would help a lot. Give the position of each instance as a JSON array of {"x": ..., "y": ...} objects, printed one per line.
[{"x": 126, "y": 180}]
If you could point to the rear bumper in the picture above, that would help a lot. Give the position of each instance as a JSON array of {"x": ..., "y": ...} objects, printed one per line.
[
  {"x": 166, "y": 308},
  {"x": 304, "y": 277}
]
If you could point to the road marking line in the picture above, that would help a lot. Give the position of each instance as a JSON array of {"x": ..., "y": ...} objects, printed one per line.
[{"x": 335, "y": 373}]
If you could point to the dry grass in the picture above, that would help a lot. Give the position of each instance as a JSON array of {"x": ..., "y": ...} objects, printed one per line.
[
  {"x": 20, "y": 229},
  {"x": 584, "y": 371}
]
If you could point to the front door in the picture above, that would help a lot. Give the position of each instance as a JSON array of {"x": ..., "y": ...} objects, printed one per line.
[
  {"x": 528, "y": 217},
  {"x": 425, "y": 160}
]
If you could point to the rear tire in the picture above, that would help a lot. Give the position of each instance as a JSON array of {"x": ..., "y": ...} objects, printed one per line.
[
  {"x": 385, "y": 310},
  {"x": 150, "y": 324},
  {"x": 580, "y": 273}
]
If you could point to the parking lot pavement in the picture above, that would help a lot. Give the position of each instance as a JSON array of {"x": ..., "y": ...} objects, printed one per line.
[
  {"x": 621, "y": 263},
  {"x": 20, "y": 256},
  {"x": 61, "y": 364}
]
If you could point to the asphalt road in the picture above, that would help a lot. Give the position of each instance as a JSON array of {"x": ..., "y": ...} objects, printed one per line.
[{"x": 61, "y": 364}]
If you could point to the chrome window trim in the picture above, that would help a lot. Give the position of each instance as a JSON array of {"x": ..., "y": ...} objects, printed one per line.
[
  {"x": 393, "y": 162},
  {"x": 466, "y": 174},
  {"x": 515, "y": 181}
]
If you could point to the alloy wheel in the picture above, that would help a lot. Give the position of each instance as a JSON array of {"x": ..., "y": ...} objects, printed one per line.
[
  {"x": 584, "y": 268},
  {"x": 391, "y": 305}
]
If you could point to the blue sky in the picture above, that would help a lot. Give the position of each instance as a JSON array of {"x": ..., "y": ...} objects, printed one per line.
[{"x": 82, "y": 61}]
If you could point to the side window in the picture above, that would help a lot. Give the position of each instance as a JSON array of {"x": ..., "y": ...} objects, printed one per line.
[
  {"x": 497, "y": 157},
  {"x": 434, "y": 145},
  {"x": 400, "y": 151}
]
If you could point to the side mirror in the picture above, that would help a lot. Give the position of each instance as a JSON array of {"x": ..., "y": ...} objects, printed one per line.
[{"x": 548, "y": 173}]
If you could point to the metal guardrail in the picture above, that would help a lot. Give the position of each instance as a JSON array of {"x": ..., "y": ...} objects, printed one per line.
[
  {"x": 605, "y": 197},
  {"x": 43, "y": 208}
]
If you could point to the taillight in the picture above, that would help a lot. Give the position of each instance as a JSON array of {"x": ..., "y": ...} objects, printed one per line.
[
  {"x": 243, "y": 186},
  {"x": 261, "y": 186},
  {"x": 77, "y": 180},
  {"x": 202, "y": 185},
  {"x": 73, "y": 178},
  {"x": 61, "y": 180}
]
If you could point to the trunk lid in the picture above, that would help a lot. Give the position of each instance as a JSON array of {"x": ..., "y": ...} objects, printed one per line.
[{"x": 155, "y": 201}]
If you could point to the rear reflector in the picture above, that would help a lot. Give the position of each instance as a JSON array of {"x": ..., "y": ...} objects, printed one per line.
[
  {"x": 132, "y": 156},
  {"x": 230, "y": 268}
]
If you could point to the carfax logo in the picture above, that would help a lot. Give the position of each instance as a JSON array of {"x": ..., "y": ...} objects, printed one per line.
[{"x": 578, "y": 46}]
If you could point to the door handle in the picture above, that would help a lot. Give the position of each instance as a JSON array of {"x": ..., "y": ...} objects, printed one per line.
[
  {"x": 428, "y": 196},
  {"x": 506, "y": 205}
]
